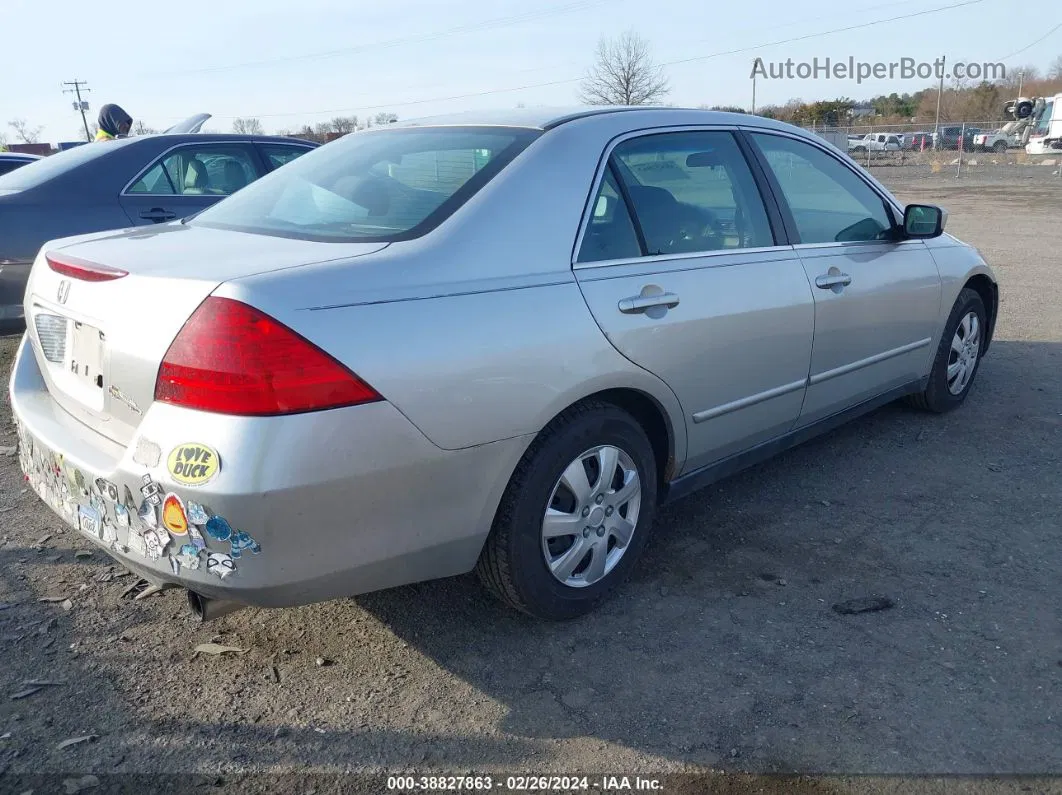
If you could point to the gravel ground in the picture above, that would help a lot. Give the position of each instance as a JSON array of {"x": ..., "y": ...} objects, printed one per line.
[{"x": 722, "y": 654}]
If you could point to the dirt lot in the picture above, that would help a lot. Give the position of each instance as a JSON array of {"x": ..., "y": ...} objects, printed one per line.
[{"x": 722, "y": 653}]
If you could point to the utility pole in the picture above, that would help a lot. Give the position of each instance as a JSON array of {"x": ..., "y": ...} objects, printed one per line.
[
  {"x": 753, "y": 88},
  {"x": 940, "y": 92},
  {"x": 81, "y": 105}
]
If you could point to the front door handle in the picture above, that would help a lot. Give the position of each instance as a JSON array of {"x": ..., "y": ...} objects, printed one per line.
[
  {"x": 158, "y": 215},
  {"x": 639, "y": 303},
  {"x": 830, "y": 280}
]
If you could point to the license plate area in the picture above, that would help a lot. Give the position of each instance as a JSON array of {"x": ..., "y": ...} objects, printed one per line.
[
  {"x": 81, "y": 374},
  {"x": 86, "y": 355}
]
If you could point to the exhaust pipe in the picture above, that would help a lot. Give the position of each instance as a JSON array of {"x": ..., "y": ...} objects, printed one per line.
[{"x": 206, "y": 609}]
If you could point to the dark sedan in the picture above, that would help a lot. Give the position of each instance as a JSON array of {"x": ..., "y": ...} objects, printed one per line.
[
  {"x": 9, "y": 161},
  {"x": 143, "y": 180}
]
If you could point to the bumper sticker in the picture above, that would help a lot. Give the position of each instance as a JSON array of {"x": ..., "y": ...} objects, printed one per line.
[
  {"x": 173, "y": 518},
  {"x": 193, "y": 464},
  {"x": 196, "y": 513},
  {"x": 165, "y": 528},
  {"x": 151, "y": 490},
  {"x": 189, "y": 556},
  {"x": 88, "y": 519},
  {"x": 220, "y": 564}
]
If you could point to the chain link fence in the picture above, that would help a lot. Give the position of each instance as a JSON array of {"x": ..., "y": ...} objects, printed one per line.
[{"x": 971, "y": 151}]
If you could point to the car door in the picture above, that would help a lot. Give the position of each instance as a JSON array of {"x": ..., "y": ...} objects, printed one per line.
[
  {"x": 188, "y": 178},
  {"x": 877, "y": 296},
  {"x": 687, "y": 272}
]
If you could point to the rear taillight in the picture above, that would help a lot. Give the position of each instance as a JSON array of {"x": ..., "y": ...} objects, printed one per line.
[
  {"x": 77, "y": 268},
  {"x": 229, "y": 358}
]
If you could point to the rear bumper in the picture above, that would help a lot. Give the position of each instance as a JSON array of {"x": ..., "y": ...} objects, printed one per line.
[{"x": 302, "y": 509}]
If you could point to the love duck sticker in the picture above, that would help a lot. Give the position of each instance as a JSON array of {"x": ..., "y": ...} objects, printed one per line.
[{"x": 193, "y": 464}]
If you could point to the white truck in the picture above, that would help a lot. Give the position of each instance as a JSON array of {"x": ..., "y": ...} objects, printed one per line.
[
  {"x": 1032, "y": 124},
  {"x": 876, "y": 142}
]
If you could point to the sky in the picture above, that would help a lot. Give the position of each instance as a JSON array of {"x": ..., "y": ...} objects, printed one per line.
[{"x": 291, "y": 63}]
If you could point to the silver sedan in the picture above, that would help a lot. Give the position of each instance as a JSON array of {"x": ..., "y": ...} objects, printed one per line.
[{"x": 484, "y": 342}]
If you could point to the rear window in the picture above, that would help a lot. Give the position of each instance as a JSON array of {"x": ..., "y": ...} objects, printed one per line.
[
  {"x": 385, "y": 185},
  {"x": 40, "y": 171}
]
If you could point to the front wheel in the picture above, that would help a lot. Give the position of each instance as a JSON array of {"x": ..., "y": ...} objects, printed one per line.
[
  {"x": 999, "y": 147},
  {"x": 958, "y": 355},
  {"x": 575, "y": 516}
]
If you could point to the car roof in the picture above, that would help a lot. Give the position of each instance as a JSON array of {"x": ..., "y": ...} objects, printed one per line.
[
  {"x": 20, "y": 156},
  {"x": 200, "y": 136},
  {"x": 549, "y": 117}
]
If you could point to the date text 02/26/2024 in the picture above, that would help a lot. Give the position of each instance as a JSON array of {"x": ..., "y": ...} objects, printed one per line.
[{"x": 524, "y": 783}]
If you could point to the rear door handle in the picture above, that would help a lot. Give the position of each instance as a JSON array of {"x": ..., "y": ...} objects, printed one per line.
[
  {"x": 158, "y": 215},
  {"x": 639, "y": 303},
  {"x": 830, "y": 280}
]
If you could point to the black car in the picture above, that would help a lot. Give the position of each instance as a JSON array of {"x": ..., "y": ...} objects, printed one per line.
[
  {"x": 9, "y": 161},
  {"x": 147, "y": 179},
  {"x": 948, "y": 137}
]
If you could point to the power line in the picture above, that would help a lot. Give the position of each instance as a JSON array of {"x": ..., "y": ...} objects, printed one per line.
[
  {"x": 81, "y": 105},
  {"x": 565, "y": 81},
  {"x": 488, "y": 24},
  {"x": 1030, "y": 46}
]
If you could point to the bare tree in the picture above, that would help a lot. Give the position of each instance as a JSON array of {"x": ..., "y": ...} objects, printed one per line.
[
  {"x": 248, "y": 126},
  {"x": 385, "y": 118},
  {"x": 27, "y": 134},
  {"x": 1055, "y": 72},
  {"x": 624, "y": 73},
  {"x": 142, "y": 129},
  {"x": 343, "y": 124}
]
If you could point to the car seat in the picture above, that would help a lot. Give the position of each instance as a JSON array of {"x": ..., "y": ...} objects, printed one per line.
[{"x": 196, "y": 179}]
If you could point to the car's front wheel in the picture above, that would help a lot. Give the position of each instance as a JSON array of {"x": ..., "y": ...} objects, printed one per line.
[
  {"x": 958, "y": 355},
  {"x": 575, "y": 515}
]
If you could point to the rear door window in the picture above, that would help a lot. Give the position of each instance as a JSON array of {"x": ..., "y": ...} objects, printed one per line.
[
  {"x": 207, "y": 169},
  {"x": 277, "y": 155}
]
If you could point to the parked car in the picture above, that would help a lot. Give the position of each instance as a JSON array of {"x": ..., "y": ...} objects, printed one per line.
[
  {"x": 142, "y": 180},
  {"x": 9, "y": 161},
  {"x": 876, "y": 142},
  {"x": 918, "y": 141},
  {"x": 949, "y": 137},
  {"x": 996, "y": 141},
  {"x": 497, "y": 342}
]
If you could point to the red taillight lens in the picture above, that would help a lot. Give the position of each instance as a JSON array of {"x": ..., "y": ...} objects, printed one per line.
[
  {"x": 232, "y": 359},
  {"x": 77, "y": 268}
]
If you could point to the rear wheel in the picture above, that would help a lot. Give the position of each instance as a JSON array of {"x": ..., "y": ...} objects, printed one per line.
[
  {"x": 575, "y": 516},
  {"x": 958, "y": 355},
  {"x": 999, "y": 147}
]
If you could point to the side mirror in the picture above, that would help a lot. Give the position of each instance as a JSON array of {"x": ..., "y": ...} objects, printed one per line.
[{"x": 923, "y": 221}]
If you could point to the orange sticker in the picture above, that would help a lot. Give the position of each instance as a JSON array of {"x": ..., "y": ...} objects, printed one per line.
[{"x": 173, "y": 517}]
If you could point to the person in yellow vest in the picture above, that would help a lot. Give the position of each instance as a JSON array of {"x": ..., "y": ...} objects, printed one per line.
[{"x": 113, "y": 123}]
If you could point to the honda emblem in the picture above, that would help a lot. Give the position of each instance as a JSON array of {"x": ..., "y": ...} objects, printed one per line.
[{"x": 64, "y": 291}]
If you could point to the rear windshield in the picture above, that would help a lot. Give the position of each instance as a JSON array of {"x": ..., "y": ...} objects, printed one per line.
[
  {"x": 382, "y": 185},
  {"x": 40, "y": 171}
]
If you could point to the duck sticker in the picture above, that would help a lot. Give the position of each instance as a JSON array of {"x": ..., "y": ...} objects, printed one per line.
[
  {"x": 193, "y": 464},
  {"x": 220, "y": 564},
  {"x": 173, "y": 518}
]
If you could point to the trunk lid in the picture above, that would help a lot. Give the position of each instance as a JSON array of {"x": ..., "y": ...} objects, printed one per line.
[{"x": 99, "y": 344}]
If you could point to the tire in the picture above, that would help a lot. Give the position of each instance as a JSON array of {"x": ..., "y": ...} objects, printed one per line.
[
  {"x": 999, "y": 147},
  {"x": 513, "y": 564},
  {"x": 938, "y": 396}
]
